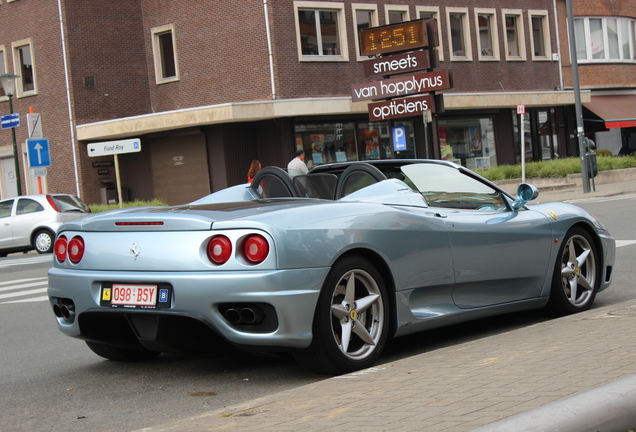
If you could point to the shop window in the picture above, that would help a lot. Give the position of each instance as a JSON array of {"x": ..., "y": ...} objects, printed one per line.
[
  {"x": 321, "y": 31},
  {"x": 364, "y": 16},
  {"x": 396, "y": 14},
  {"x": 327, "y": 143},
  {"x": 432, "y": 12},
  {"x": 468, "y": 142},
  {"x": 24, "y": 66},
  {"x": 540, "y": 40},
  {"x": 164, "y": 54},
  {"x": 488, "y": 42},
  {"x": 459, "y": 34},
  {"x": 605, "y": 39},
  {"x": 514, "y": 42}
]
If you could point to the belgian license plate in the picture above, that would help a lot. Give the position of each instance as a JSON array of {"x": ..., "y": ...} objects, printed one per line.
[{"x": 131, "y": 295}]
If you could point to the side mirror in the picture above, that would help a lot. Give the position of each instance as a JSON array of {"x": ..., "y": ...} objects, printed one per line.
[{"x": 525, "y": 193}]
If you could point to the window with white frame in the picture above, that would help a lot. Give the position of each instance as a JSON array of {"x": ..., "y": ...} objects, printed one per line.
[
  {"x": 432, "y": 12},
  {"x": 540, "y": 40},
  {"x": 459, "y": 34},
  {"x": 605, "y": 39},
  {"x": 487, "y": 35},
  {"x": 321, "y": 32},
  {"x": 514, "y": 40},
  {"x": 396, "y": 14},
  {"x": 164, "y": 51},
  {"x": 24, "y": 66},
  {"x": 364, "y": 16}
]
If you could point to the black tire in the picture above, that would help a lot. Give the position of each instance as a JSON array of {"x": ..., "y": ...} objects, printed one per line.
[
  {"x": 357, "y": 308},
  {"x": 111, "y": 352},
  {"x": 577, "y": 274},
  {"x": 43, "y": 241}
]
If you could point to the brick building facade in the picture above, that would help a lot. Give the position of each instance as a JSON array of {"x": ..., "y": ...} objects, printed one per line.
[{"x": 209, "y": 86}]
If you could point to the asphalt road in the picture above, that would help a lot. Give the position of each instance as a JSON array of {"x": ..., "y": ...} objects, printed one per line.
[{"x": 52, "y": 382}]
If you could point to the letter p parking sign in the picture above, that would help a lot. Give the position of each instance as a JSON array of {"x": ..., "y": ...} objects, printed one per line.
[{"x": 399, "y": 138}]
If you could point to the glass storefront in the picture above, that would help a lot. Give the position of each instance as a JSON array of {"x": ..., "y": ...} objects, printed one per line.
[
  {"x": 539, "y": 134},
  {"x": 341, "y": 142},
  {"x": 468, "y": 142}
]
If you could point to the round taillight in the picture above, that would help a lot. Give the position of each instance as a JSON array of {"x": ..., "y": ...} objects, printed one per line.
[
  {"x": 219, "y": 249},
  {"x": 60, "y": 248},
  {"x": 76, "y": 249},
  {"x": 256, "y": 249}
]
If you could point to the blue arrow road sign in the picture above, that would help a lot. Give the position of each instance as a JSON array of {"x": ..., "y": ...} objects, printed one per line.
[
  {"x": 399, "y": 138},
  {"x": 10, "y": 120},
  {"x": 39, "y": 155}
]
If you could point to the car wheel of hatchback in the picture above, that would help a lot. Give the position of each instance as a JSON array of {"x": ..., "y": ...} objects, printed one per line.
[{"x": 43, "y": 241}]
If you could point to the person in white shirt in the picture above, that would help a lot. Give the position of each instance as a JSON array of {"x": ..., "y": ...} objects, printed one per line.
[{"x": 296, "y": 166}]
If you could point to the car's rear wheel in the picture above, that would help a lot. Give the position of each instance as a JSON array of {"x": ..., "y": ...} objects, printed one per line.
[
  {"x": 115, "y": 353},
  {"x": 43, "y": 241},
  {"x": 576, "y": 274},
  {"x": 351, "y": 321}
]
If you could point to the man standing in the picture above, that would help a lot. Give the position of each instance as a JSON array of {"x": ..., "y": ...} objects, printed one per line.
[{"x": 296, "y": 166}]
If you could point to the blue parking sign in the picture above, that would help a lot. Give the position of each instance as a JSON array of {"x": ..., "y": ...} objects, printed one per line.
[
  {"x": 399, "y": 138},
  {"x": 39, "y": 155}
]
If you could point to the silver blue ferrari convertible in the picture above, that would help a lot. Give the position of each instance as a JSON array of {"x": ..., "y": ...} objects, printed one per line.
[{"x": 326, "y": 265}]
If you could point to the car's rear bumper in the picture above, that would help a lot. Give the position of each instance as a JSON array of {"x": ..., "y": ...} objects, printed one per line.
[{"x": 196, "y": 298}]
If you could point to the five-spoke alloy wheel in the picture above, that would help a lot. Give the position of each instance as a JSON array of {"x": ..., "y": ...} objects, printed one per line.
[
  {"x": 351, "y": 319},
  {"x": 576, "y": 274}
]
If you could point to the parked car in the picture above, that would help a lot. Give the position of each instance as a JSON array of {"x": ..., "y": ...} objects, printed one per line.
[
  {"x": 326, "y": 265},
  {"x": 30, "y": 222}
]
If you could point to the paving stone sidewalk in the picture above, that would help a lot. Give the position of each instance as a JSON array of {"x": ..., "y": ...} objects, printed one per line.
[{"x": 457, "y": 388}]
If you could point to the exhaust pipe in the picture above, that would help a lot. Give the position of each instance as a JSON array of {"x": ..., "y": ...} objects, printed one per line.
[
  {"x": 57, "y": 310},
  {"x": 233, "y": 316},
  {"x": 251, "y": 315}
]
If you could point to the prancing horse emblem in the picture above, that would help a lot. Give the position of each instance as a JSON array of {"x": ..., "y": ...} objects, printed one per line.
[{"x": 135, "y": 250}]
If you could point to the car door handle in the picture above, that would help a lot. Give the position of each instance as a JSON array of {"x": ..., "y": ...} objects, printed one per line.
[{"x": 440, "y": 215}]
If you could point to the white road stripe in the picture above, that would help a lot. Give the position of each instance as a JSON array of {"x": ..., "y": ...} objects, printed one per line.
[
  {"x": 28, "y": 285},
  {"x": 23, "y": 280},
  {"x": 602, "y": 199},
  {"x": 620, "y": 243},
  {"x": 22, "y": 293},
  {"x": 26, "y": 261},
  {"x": 28, "y": 300}
]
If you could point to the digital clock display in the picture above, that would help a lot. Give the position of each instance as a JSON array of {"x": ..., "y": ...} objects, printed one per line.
[{"x": 393, "y": 38}]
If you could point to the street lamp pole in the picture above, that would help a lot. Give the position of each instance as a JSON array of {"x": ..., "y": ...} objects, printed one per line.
[{"x": 8, "y": 85}]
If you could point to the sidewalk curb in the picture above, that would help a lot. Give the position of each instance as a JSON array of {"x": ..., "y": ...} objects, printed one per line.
[{"x": 611, "y": 407}]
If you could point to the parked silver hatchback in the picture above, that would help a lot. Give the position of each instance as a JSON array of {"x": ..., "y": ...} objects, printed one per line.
[{"x": 31, "y": 221}]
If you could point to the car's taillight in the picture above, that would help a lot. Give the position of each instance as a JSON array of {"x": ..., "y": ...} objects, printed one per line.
[
  {"x": 60, "y": 248},
  {"x": 51, "y": 201},
  {"x": 256, "y": 248},
  {"x": 219, "y": 249},
  {"x": 76, "y": 249}
]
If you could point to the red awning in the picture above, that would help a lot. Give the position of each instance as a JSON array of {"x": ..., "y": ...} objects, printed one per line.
[{"x": 617, "y": 111}]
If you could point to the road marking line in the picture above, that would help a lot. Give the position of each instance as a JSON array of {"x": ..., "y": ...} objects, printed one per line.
[
  {"x": 15, "y": 287},
  {"x": 29, "y": 300},
  {"x": 23, "y": 293},
  {"x": 23, "y": 280},
  {"x": 25, "y": 261},
  {"x": 620, "y": 243}
]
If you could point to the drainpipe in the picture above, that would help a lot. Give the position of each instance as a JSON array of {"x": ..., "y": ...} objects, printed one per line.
[
  {"x": 269, "y": 50},
  {"x": 558, "y": 39},
  {"x": 68, "y": 99}
]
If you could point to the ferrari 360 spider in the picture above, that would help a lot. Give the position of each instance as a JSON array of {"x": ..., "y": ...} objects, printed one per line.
[{"x": 327, "y": 265}]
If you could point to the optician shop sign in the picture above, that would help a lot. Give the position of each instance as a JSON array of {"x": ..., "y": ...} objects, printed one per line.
[{"x": 404, "y": 107}]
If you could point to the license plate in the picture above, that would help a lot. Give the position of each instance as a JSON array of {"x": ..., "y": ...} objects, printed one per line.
[
  {"x": 134, "y": 295},
  {"x": 131, "y": 295}
]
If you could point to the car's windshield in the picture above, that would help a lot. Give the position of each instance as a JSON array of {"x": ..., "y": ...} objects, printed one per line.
[{"x": 445, "y": 186}]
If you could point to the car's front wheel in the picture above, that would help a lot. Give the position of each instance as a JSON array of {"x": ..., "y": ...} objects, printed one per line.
[
  {"x": 43, "y": 241},
  {"x": 115, "y": 353},
  {"x": 351, "y": 321},
  {"x": 576, "y": 274}
]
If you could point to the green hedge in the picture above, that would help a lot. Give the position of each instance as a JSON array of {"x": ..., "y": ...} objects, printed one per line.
[
  {"x": 96, "y": 208},
  {"x": 556, "y": 167}
]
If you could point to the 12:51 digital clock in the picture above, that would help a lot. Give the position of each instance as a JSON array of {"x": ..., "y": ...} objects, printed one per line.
[{"x": 393, "y": 38}]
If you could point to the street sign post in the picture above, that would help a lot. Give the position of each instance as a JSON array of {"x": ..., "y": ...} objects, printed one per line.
[{"x": 115, "y": 148}]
